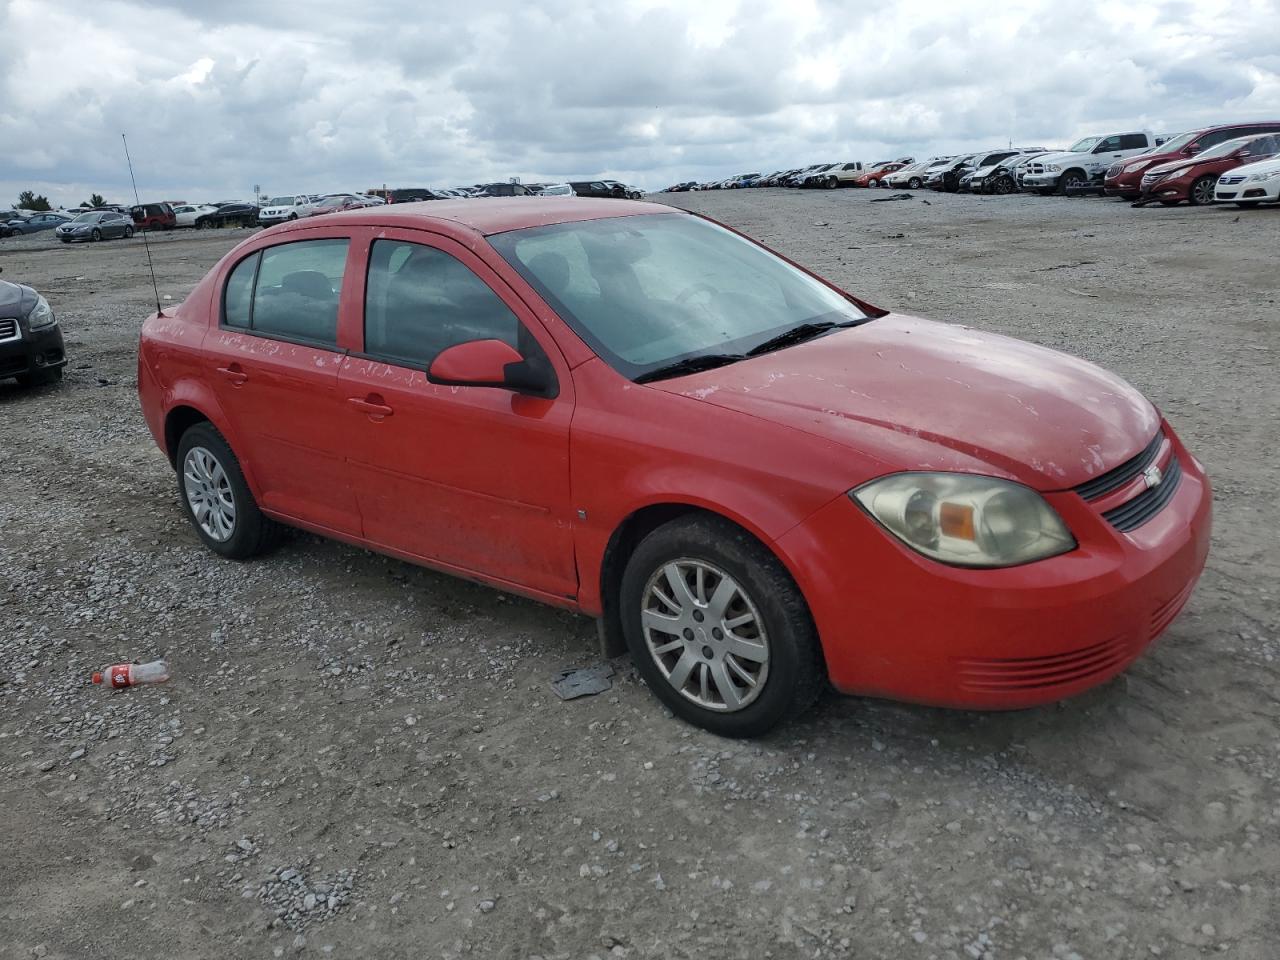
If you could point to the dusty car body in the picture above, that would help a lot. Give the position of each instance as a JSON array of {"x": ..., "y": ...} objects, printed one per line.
[{"x": 826, "y": 492}]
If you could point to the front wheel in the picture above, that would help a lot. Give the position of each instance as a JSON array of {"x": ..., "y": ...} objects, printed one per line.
[
  {"x": 1203, "y": 190},
  {"x": 96, "y": 235},
  {"x": 832, "y": 183},
  {"x": 128, "y": 232},
  {"x": 915, "y": 183},
  {"x": 873, "y": 183},
  {"x": 202, "y": 224},
  {"x": 1072, "y": 180},
  {"x": 216, "y": 498},
  {"x": 718, "y": 628}
]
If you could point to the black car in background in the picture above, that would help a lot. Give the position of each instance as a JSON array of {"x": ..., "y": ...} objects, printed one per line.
[
  {"x": 35, "y": 223},
  {"x": 503, "y": 190},
  {"x": 95, "y": 225},
  {"x": 605, "y": 189},
  {"x": 414, "y": 195},
  {"x": 31, "y": 348},
  {"x": 229, "y": 215}
]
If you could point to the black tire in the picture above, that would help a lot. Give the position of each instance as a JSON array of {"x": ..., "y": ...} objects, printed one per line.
[
  {"x": 915, "y": 183},
  {"x": 128, "y": 233},
  {"x": 796, "y": 672},
  {"x": 202, "y": 224},
  {"x": 252, "y": 532},
  {"x": 873, "y": 183},
  {"x": 66, "y": 239},
  {"x": 832, "y": 183},
  {"x": 1202, "y": 191},
  {"x": 96, "y": 235},
  {"x": 293, "y": 216},
  {"x": 1072, "y": 178}
]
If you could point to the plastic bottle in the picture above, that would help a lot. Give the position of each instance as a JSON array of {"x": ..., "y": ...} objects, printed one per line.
[{"x": 132, "y": 674}]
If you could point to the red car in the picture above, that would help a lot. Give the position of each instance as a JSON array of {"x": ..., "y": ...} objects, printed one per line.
[
  {"x": 874, "y": 177},
  {"x": 1124, "y": 178},
  {"x": 758, "y": 481},
  {"x": 1196, "y": 179}
]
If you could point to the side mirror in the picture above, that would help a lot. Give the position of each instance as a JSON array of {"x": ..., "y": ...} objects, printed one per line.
[
  {"x": 491, "y": 363},
  {"x": 1191, "y": 149}
]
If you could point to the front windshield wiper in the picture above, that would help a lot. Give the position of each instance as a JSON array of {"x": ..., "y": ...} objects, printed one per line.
[
  {"x": 799, "y": 334},
  {"x": 703, "y": 361}
]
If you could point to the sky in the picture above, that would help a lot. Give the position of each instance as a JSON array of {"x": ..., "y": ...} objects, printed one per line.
[{"x": 217, "y": 96}]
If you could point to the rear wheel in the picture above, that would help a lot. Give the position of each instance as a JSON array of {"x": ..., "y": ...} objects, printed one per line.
[
  {"x": 1202, "y": 190},
  {"x": 718, "y": 628},
  {"x": 216, "y": 498}
]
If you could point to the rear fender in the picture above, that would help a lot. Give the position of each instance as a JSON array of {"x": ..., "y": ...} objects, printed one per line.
[{"x": 194, "y": 393}]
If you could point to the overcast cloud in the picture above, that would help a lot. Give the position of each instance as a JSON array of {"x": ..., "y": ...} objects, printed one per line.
[{"x": 219, "y": 95}]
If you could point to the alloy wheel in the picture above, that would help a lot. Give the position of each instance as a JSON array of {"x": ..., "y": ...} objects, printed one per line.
[
  {"x": 1204, "y": 190},
  {"x": 705, "y": 634},
  {"x": 209, "y": 494}
]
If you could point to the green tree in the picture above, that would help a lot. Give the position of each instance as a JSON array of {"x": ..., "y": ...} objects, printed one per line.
[
  {"x": 29, "y": 201},
  {"x": 97, "y": 200}
]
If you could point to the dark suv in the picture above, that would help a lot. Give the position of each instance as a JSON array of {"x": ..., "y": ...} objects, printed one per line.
[
  {"x": 605, "y": 189},
  {"x": 413, "y": 195},
  {"x": 154, "y": 216}
]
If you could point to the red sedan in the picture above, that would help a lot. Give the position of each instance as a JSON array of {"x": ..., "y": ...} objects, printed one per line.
[
  {"x": 760, "y": 482},
  {"x": 1196, "y": 179},
  {"x": 875, "y": 178}
]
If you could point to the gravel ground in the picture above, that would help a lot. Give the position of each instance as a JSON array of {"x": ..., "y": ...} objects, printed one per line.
[{"x": 357, "y": 757}]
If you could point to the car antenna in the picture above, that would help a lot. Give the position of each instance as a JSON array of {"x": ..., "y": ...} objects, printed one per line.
[{"x": 145, "y": 242}]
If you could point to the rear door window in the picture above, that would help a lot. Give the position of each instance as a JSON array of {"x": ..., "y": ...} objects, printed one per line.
[
  {"x": 289, "y": 292},
  {"x": 1133, "y": 141}
]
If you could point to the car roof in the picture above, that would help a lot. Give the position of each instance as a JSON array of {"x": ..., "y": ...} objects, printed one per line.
[{"x": 486, "y": 217}]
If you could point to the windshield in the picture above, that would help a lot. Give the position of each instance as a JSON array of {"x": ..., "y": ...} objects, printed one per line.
[
  {"x": 88, "y": 218},
  {"x": 1083, "y": 146},
  {"x": 647, "y": 291},
  {"x": 280, "y": 202},
  {"x": 1175, "y": 144},
  {"x": 1226, "y": 148}
]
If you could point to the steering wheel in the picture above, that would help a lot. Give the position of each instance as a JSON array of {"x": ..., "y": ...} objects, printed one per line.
[{"x": 694, "y": 289}]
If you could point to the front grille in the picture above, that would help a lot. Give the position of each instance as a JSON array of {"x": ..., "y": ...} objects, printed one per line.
[
  {"x": 1105, "y": 483},
  {"x": 1114, "y": 170},
  {"x": 1035, "y": 168},
  {"x": 1040, "y": 673},
  {"x": 1129, "y": 516},
  {"x": 1233, "y": 179},
  {"x": 1226, "y": 196},
  {"x": 9, "y": 330}
]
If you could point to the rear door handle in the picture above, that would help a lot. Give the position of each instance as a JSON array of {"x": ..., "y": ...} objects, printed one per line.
[
  {"x": 234, "y": 373},
  {"x": 373, "y": 405}
]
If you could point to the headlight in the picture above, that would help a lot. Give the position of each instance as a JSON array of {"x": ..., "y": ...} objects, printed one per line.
[
  {"x": 1135, "y": 167},
  {"x": 41, "y": 315},
  {"x": 1263, "y": 177},
  {"x": 966, "y": 520},
  {"x": 1053, "y": 168}
]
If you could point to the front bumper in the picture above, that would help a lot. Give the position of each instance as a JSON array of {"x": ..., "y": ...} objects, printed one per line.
[
  {"x": 72, "y": 237},
  {"x": 1229, "y": 190},
  {"x": 896, "y": 624},
  {"x": 1039, "y": 181},
  {"x": 32, "y": 352}
]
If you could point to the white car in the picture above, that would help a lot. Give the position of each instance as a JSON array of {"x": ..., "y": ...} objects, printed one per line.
[
  {"x": 557, "y": 190},
  {"x": 911, "y": 176},
  {"x": 1083, "y": 164},
  {"x": 280, "y": 209},
  {"x": 1250, "y": 184},
  {"x": 186, "y": 213}
]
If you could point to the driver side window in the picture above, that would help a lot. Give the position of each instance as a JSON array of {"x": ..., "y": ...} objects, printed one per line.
[
  {"x": 420, "y": 300},
  {"x": 1109, "y": 145}
]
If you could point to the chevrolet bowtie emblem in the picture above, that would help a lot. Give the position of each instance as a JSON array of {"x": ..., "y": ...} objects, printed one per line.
[{"x": 1152, "y": 476}]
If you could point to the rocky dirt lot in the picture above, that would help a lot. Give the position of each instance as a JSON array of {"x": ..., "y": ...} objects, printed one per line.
[{"x": 360, "y": 758}]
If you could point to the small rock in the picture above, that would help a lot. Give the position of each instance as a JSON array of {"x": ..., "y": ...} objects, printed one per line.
[
  {"x": 77, "y": 753},
  {"x": 46, "y": 765},
  {"x": 486, "y": 905}
]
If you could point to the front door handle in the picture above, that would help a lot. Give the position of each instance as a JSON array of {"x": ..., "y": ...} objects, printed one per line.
[
  {"x": 373, "y": 405},
  {"x": 234, "y": 373}
]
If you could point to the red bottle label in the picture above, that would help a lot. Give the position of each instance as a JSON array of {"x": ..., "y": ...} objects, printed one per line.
[{"x": 120, "y": 675}]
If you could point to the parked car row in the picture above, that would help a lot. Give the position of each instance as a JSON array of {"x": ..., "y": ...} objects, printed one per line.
[{"x": 1227, "y": 163}]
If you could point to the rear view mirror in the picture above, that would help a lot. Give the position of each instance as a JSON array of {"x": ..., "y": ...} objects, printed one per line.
[{"x": 491, "y": 363}]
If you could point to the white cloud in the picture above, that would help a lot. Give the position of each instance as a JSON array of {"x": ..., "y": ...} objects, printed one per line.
[{"x": 219, "y": 96}]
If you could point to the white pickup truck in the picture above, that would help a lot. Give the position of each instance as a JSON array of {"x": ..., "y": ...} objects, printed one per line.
[{"x": 1083, "y": 165}]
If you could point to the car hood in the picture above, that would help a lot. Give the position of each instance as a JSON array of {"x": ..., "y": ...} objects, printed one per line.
[
  {"x": 72, "y": 225},
  {"x": 919, "y": 395},
  {"x": 16, "y": 300},
  {"x": 1064, "y": 156},
  {"x": 1186, "y": 163},
  {"x": 1259, "y": 166}
]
